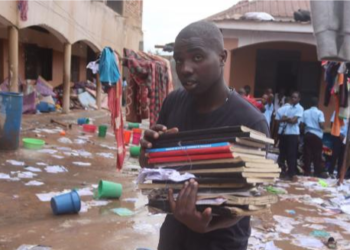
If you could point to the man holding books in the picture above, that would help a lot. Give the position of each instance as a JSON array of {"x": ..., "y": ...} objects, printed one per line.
[{"x": 205, "y": 102}]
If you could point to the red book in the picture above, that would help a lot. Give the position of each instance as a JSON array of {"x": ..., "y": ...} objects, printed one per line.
[
  {"x": 195, "y": 151},
  {"x": 189, "y": 158}
]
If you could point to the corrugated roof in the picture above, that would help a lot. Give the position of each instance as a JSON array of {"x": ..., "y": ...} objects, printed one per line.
[{"x": 279, "y": 9}]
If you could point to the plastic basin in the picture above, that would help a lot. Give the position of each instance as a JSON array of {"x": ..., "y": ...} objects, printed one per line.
[{"x": 31, "y": 143}]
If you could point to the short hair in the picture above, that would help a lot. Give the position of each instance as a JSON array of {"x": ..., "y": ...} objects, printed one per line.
[
  {"x": 247, "y": 89},
  {"x": 314, "y": 101},
  {"x": 210, "y": 33},
  {"x": 296, "y": 92},
  {"x": 241, "y": 91}
]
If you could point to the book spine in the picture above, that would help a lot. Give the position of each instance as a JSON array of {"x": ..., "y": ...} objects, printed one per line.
[
  {"x": 197, "y": 151},
  {"x": 190, "y": 158},
  {"x": 184, "y": 148}
]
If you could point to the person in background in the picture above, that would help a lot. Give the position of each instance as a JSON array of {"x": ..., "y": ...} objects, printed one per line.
[
  {"x": 280, "y": 127},
  {"x": 242, "y": 92},
  {"x": 338, "y": 148},
  {"x": 280, "y": 99},
  {"x": 291, "y": 132},
  {"x": 267, "y": 101},
  {"x": 313, "y": 124},
  {"x": 247, "y": 91},
  {"x": 124, "y": 85}
]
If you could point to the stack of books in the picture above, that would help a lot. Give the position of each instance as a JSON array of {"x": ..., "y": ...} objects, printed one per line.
[{"x": 228, "y": 163}]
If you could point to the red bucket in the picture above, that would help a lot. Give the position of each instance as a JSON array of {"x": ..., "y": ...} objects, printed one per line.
[
  {"x": 89, "y": 128},
  {"x": 127, "y": 135}
]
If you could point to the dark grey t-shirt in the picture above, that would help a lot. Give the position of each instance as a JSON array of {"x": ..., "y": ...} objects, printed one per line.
[{"x": 178, "y": 110}]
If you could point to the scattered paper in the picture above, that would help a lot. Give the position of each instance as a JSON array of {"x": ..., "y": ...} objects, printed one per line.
[
  {"x": 33, "y": 247},
  {"x": 132, "y": 200},
  {"x": 85, "y": 191},
  {"x": 45, "y": 197},
  {"x": 55, "y": 169},
  {"x": 80, "y": 141},
  {"x": 345, "y": 209},
  {"x": 58, "y": 156},
  {"x": 106, "y": 155},
  {"x": 33, "y": 169},
  {"x": 85, "y": 206},
  {"x": 15, "y": 163},
  {"x": 82, "y": 164},
  {"x": 306, "y": 242},
  {"x": 147, "y": 174},
  {"x": 122, "y": 211},
  {"x": 34, "y": 183},
  {"x": 65, "y": 140},
  {"x": 24, "y": 175},
  {"x": 8, "y": 177},
  {"x": 41, "y": 164},
  {"x": 109, "y": 147},
  {"x": 48, "y": 151}
]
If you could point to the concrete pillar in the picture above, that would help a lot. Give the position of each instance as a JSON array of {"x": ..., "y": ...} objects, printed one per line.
[
  {"x": 66, "y": 76},
  {"x": 98, "y": 91},
  {"x": 13, "y": 58}
]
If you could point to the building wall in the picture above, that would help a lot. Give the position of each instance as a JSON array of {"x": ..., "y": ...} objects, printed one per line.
[{"x": 243, "y": 67}]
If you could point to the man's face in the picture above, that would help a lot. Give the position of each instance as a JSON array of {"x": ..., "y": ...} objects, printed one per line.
[
  {"x": 198, "y": 67},
  {"x": 295, "y": 98}
]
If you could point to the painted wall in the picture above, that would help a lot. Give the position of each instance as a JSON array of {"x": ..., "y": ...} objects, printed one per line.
[{"x": 243, "y": 66}]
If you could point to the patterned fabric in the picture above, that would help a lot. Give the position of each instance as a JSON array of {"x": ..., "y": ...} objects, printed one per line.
[
  {"x": 23, "y": 8},
  {"x": 114, "y": 105},
  {"x": 149, "y": 84}
]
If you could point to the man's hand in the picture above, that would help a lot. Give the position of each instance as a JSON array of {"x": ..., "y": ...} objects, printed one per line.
[
  {"x": 184, "y": 210},
  {"x": 149, "y": 135}
]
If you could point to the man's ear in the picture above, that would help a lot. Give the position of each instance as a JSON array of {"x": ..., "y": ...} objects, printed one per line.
[{"x": 223, "y": 57}]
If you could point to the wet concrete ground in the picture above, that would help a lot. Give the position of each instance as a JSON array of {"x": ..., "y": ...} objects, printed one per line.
[{"x": 24, "y": 219}]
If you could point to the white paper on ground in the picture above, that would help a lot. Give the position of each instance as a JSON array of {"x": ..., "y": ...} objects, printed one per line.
[
  {"x": 41, "y": 164},
  {"x": 24, "y": 175},
  {"x": 82, "y": 164},
  {"x": 133, "y": 200},
  {"x": 106, "y": 155},
  {"x": 45, "y": 197},
  {"x": 80, "y": 141},
  {"x": 307, "y": 242},
  {"x": 58, "y": 156},
  {"x": 109, "y": 147},
  {"x": 85, "y": 191},
  {"x": 48, "y": 151},
  {"x": 15, "y": 163},
  {"x": 271, "y": 246},
  {"x": 48, "y": 131},
  {"x": 8, "y": 177},
  {"x": 284, "y": 224},
  {"x": 86, "y": 205},
  {"x": 64, "y": 148},
  {"x": 65, "y": 140},
  {"x": 33, "y": 169},
  {"x": 55, "y": 169},
  {"x": 162, "y": 175},
  {"x": 34, "y": 183},
  {"x": 345, "y": 209}
]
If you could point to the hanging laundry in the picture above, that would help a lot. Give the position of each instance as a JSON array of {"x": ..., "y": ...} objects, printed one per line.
[
  {"x": 108, "y": 68},
  {"x": 94, "y": 66},
  {"x": 149, "y": 84},
  {"x": 23, "y": 8},
  {"x": 331, "y": 71}
]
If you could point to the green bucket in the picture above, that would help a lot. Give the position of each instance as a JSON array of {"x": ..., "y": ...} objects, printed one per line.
[
  {"x": 135, "y": 151},
  {"x": 31, "y": 143},
  {"x": 102, "y": 131},
  {"x": 132, "y": 125},
  {"x": 108, "y": 189}
]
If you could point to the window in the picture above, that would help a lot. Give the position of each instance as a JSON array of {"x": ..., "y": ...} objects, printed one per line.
[
  {"x": 75, "y": 65},
  {"x": 38, "y": 61},
  {"x": 117, "y": 6}
]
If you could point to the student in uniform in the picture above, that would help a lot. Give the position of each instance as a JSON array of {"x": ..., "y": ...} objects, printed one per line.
[
  {"x": 338, "y": 148},
  {"x": 282, "y": 157},
  {"x": 291, "y": 133},
  {"x": 313, "y": 123},
  {"x": 267, "y": 100},
  {"x": 204, "y": 102}
]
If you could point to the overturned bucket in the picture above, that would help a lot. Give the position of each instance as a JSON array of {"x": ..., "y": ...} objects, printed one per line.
[
  {"x": 108, "y": 189},
  {"x": 68, "y": 203}
]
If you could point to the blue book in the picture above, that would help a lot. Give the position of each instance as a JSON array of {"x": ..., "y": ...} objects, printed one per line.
[{"x": 212, "y": 145}]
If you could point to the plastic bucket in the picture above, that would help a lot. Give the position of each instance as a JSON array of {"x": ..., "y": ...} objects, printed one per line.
[
  {"x": 10, "y": 120},
  {"x": 89, "y": 128},
  {"x": 68, "y": 203},
  {"x": 30, "y": 143},
  {"x": 102, "y": 131},
  {"x": 83, "y": 120},
  {"x": 127, "y": 136},
  {"x": 135, "y": 151},
  {"x": 132, "y": 125},
  {"x": 136, "y": 137},
  {"x": 108, "y": 189}
]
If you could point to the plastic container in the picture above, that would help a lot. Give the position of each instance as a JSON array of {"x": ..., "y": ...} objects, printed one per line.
[
  {"x": 89, "y": 128},
  {"x": 127, "y": 136},
  {"x": 132, "y": 125},
  {"x": 82, "y": 121},
  {"x": 30, "y": 143},
  {"x": 102, "y": 131},
  {"x": 136, "y": 137},
  {"x": 10, "y": 120},
  {"x": 108, "y": 189},
  {"x": 135, "y": 151},
  {"x": 68, "y": 203}
]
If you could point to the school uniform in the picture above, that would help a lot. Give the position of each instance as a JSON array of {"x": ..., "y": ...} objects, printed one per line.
[
  {"x": 338, "y": 147},
  {"x": 268, "y": 113},
  {"x": 281, "y": 127},
  {"x": 313, "y": 140},
  {"x": 291, "y": 137}
]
